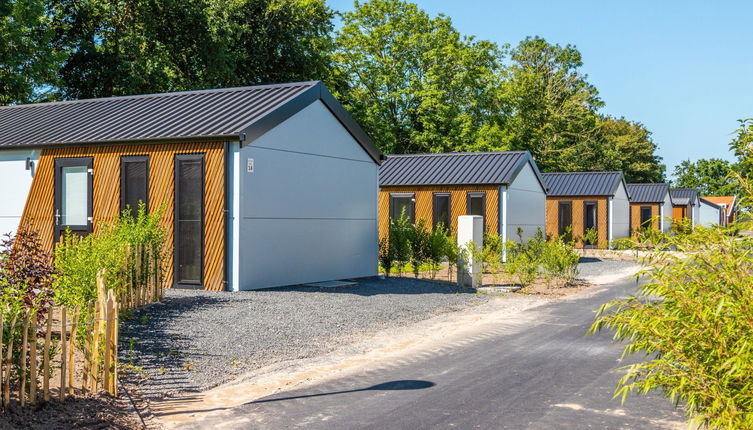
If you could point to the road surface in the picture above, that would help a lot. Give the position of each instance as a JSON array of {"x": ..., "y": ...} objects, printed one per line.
[{"x": 544, "y": 374}]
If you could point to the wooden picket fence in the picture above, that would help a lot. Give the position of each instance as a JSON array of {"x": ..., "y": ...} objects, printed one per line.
[{"x": 98, "y": 350}]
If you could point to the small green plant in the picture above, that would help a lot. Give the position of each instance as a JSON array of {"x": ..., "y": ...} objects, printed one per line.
[
  {"x": 438, "y": 243},
  {"x": 386, "y": 256},
  {"x": 591, "y": 237},
  {"x": 399, "y": 240},
  {"x": 419, "y": 239}
]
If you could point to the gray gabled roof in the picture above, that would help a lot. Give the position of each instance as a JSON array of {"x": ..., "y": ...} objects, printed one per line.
[
  {"x": 709, "y": 203},
  {"x": 563, "y": 184},
  {"x": 683, "y": 196},
  {"x": 648, "y": 193},
  {"x": 467, "y": 168},
  {"x": 223, "y": 114}
]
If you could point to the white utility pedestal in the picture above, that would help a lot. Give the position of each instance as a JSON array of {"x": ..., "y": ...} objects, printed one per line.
[{"x": 470, "y": 229}]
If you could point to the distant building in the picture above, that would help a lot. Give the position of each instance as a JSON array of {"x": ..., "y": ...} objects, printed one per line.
[
  {"x": 729, "y": 203},
  {"x": 650, "y": 206}
]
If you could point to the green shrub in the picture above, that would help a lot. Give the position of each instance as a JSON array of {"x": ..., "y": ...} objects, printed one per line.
[
  {"x": 559, "y": 260},
  {"x": 491, "y": 256},
  {"x": 386, "y": 256},
  {"x": 591, "y": 237},
  {"x": 419, "y": 239},
  {"x": 693, "y": 321},
  {"x": 112, "y": 251},
  {"x": 437, "y": 251},
  {"x": 399, "y": 240}
]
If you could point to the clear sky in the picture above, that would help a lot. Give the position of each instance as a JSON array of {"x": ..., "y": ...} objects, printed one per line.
[{"x": 682, "y": 68}]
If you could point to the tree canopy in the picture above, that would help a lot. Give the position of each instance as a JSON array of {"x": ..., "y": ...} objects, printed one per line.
[
  {"x": 711, "y": 177},
  {"x": 412, "y": 80}
]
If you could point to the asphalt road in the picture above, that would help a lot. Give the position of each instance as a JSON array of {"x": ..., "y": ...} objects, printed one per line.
[{"x": 544, "y": 374}]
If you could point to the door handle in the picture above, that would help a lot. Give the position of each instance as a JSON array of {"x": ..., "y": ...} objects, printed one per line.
[{"x": 57, "y": 217}]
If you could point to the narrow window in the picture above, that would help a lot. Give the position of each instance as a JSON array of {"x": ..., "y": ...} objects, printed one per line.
[
  {"x": 403, "y": 204},
  {"x": 476, "y": 205},
  {"x": 590, "y": 219},
  {"x": 134, "y": 183},
  {"x": 441, "y": 209},
  {"x": 189, "y": 220},
  {"x": 645, "y": 216},
  {"x": 565, "y": 217}
]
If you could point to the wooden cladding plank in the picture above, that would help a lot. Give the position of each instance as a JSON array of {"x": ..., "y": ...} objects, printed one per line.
[
  {"x": 39, "y": 209},
  {"x": 425, "y": 206},
  {"x": 552, "y": 217},
  {"x": 635, "y": 216}
]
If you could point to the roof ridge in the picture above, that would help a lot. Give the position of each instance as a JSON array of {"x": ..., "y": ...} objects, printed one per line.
[
  {"x": 165, "y": 94},
  {"x": 612, "y": 172},
  {"x": 451, "y": 154}
]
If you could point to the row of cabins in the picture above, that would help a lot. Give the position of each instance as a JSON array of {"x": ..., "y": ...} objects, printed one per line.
[
  {"x": 516, "y": 200},
  {"x": 270, "y": 185}
]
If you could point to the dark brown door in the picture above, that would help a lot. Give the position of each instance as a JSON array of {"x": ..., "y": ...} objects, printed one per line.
[
  {"x": 73, "y": 196},
  {"x": 189, "y": 220}
]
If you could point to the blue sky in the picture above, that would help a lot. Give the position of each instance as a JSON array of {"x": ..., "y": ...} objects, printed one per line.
[{"x": 684, "y": 69}]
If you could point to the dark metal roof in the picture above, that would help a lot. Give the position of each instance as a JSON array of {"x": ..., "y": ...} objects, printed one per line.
[
  {"x": 583, "y": 183},
  {"x": 468, "y": 168},
  {"x": 683, "y": 196},
  {"x": 648, "y": 193},
  {"x": 223, "y": 114},
  {"x": 710, "y": 203}
]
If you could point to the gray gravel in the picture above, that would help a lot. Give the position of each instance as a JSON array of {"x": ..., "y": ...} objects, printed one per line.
[
  {"x": 195, "y": 340},
  {"x": 591, "y": 267}
]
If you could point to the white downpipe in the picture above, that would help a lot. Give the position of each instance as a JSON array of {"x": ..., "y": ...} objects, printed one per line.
[
  {"x": 235, "y": 210},
  {"x": 610, "y": 221},
  {"x": 503, "y": 229},
  {"x": 661, "y": 218}
]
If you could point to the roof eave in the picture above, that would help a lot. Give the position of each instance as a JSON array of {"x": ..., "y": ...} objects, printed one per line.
[{"x": 150, "y": 140}]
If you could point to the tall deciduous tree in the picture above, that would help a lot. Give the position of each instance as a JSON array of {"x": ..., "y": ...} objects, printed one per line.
[
  {"x": 553, "y": 106},
  {"x": 627, "y": 146},
  {"x": 27, "y": 60},
  {"x": 710, "y": 176},
  {"x": 139, "y": 46},
  {"x": 415, "y": 83}
]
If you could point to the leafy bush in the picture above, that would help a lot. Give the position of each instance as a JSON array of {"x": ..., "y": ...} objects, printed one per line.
[
  {"x": 439, "y": 241},
  {"x": 419, "y": 239},
  {"x": 559, "y": 260},
  {"x": 693, "y": 319},
  {"x": 386, "y": 256},
  {"x": 399, "y": 240},
  {"x": 114, "y": 250},
  {"x": 591, "y": 237}
]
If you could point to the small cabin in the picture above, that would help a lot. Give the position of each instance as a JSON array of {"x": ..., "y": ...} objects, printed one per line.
[
  {"x": 505, "y": 188},
  {"x": 685, "y": 204},
  {"x": 709, "y": 213},
  {"x": 258, "y": 186},
  {"x": 581, "y": 201},
  {"x": 650, "y": 207},
  {"x": 728, "y": 205}
]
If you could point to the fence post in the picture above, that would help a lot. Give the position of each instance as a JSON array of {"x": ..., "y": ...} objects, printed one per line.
[
  {"x": 108, "y": 339},
  {"x": 116, "y": 330},
  {"x": 87, "y": 353},
  {"x": 46, "y": 357},
  {"x": 94, "y": 364},
  {"x": 64, "y": 355},
  {"x": 24, "y": 343},
  {"x": 2, "y": 362},
  {"x": 9, "y": 357},
  {"x": 33, "y": 363},
  {"x": 72, "y": 351}
]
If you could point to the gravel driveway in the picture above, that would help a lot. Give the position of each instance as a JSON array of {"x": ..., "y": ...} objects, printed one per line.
[{"x": 195, "y": 340}]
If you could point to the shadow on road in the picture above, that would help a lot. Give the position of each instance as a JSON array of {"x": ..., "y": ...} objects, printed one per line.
[{"x": 408, "y": 384}]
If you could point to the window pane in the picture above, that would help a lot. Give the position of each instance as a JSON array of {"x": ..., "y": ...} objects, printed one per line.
[
  {"x": 476, "y": 206},
  {"x": 442, "y": 211},
  {"x": 590, "y": 216},
  {"x": 189, "y": 197},
  {"x": 402, "y": 205},
  {"x": 74, "y": 195},
  {"x": 645, "y": 216},
  {"x": 135, "y": 185},
  {"x": 189, "y": 252}
]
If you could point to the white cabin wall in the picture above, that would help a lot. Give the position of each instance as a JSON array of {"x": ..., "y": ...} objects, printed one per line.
[
  {"x": 308, "y": 212},
  {"x": 526, "y": 205},
  {"x": 621, "y": 214},
  {"x": 16, "y": 184},
  {"x": 707, "y": 215}
]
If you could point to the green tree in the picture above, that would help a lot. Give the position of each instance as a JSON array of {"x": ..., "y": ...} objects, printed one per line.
[
  {"x": 142, "y": 46},
  {"x": 553, "y": 106},
  {"x": 28, "y": 61},
  {"x": 712, "y": 177},
  {"x": 627, "y": 146},
  {"x": 415, "y": 83}
]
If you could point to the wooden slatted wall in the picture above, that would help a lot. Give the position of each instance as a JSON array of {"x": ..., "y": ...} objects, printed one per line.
[
  {"x": 424, "y": 204},
  {"x": 552, "y": 217},
  {"x": 635, "y": 216},
  {"x": 39, "y": 209}
]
